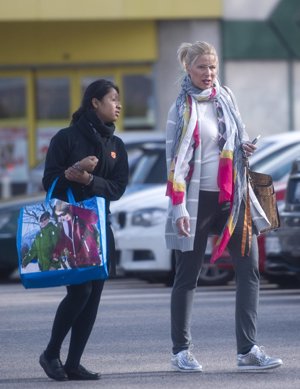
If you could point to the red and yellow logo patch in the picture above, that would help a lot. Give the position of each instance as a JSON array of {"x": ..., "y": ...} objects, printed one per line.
[{"x": 113, "y": 154}]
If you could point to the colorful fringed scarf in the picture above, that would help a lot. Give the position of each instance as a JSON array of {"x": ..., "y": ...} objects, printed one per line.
[
  {"x": 231, "y": 177},
  {"x": 182, "y": 164}
]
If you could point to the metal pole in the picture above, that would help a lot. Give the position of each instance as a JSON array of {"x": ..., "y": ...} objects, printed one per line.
[
  {"x": 6, "y": 187},
  {"x": 291, "y": 95}
]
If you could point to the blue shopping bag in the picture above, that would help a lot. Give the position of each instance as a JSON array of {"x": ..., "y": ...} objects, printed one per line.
[{"x": 62, "y": 243}]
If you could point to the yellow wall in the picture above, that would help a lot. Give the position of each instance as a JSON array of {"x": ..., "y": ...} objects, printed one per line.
[
  {"x": 76, "y": 42},
  {"x": 42, "y": 10}
]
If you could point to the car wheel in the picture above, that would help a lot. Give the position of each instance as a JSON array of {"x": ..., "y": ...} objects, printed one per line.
[
  {"x": 212, "y": 274},
  {"x": 5, "y": 273}
]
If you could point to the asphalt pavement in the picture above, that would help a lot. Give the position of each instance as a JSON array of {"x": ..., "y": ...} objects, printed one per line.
[{"x": 130, "y": 343}]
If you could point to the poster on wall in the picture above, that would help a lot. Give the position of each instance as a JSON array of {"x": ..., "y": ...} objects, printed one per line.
[
  {"x": 13, "y": 154},
  {"x": 43, "y": 140}
]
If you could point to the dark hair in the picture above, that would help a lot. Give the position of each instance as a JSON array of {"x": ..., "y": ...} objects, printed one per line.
[
  {"x": 97, "y": 89},
  {"x": 45, "y": 216}
]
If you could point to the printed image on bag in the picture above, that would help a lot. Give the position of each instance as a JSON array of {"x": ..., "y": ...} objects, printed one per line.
[
  {"x": 62, "y": 237},
  {"x": 62, "y": 243}
]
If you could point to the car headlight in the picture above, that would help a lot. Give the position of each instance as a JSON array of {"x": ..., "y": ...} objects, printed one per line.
[{"x": 148, "y": 217}]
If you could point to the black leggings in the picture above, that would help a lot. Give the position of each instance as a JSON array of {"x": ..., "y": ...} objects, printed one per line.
[{"x": 77, "y": 311}]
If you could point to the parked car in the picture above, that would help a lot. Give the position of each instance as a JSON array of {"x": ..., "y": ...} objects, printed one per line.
[
  {"x": 270, "y": 146},
  {"x": 9, "y": 214},
  {"x": 142, "y": 214},
  {"x": 283, "y": 245}
]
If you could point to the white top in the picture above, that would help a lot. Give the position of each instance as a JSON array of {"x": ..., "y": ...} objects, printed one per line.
[{"x": 209, "y": 132}]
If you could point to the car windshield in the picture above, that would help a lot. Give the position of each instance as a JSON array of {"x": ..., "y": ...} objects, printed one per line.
[
  {"x": 280, "y": 165},
  {"x": 151, "y": 167},
  {"x": 263, "y": 144},
  {"x": 9, "y": 219},
  {"x": 10, "y": 211},
  {"x": 272, "y": 156}
]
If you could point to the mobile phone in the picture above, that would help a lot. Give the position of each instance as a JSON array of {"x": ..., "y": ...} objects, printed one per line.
[{"x": 255, "y": 140}]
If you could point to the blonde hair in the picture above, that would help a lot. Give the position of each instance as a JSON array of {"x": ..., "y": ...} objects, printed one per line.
[
  {"x": 187, "y": 53},
  {"x": 61, "y": 208}
]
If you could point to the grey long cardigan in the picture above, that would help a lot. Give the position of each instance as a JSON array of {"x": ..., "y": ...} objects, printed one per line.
[{"x": 189, "y": 207}]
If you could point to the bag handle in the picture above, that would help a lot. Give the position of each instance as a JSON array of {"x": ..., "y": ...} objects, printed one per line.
[
  {"x": 71, "y": 198},
  {"x": 247, "y": 226},
  {"x": 50, "y": 191}
]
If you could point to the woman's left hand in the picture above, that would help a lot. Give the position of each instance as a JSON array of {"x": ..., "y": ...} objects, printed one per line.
[
  {"x": 75, "y": 175},
  {"x": 249, "y": 148}
]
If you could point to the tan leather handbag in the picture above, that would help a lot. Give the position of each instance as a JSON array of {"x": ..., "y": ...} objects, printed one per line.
[{"x": 262, "y": 185}]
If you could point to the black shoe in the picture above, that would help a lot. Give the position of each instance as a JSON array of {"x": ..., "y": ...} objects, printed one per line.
[
  {"x": 53, "y": 368},
  {"x": 81, "y": 374}
]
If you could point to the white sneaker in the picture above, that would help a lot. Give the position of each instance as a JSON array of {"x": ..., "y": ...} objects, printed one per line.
[
  {"x": 257, "y": 359},
  {"x": 185, "y": 362}
]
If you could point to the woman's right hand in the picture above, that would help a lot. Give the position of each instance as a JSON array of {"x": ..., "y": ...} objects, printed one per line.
[
  {"x": 183, "y": 226},
  {"x": 88, "y": 163},
  {"x": 249, "y": 148}
]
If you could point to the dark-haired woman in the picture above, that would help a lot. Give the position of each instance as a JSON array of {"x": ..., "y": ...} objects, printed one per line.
[{"x": 88, "y": 158}]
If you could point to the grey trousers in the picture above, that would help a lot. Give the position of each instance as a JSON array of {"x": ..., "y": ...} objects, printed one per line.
[{"x": 211, "y": 219}]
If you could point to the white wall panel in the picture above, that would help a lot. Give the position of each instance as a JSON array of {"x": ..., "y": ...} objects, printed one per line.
[
  {"x": 261, "y": 89},
  {"x": 248, "y": 9},
  {"x": 297, "y": 96}
]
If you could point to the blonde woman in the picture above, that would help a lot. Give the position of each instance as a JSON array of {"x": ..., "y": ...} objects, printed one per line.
[{"x": 206, "y": 144}]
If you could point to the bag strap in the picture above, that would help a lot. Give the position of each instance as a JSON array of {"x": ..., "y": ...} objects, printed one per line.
[
  {"x": 50, "y": 191},
  {"x": 247, "y": 225},
  {"x": 71, "y": 198}
]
